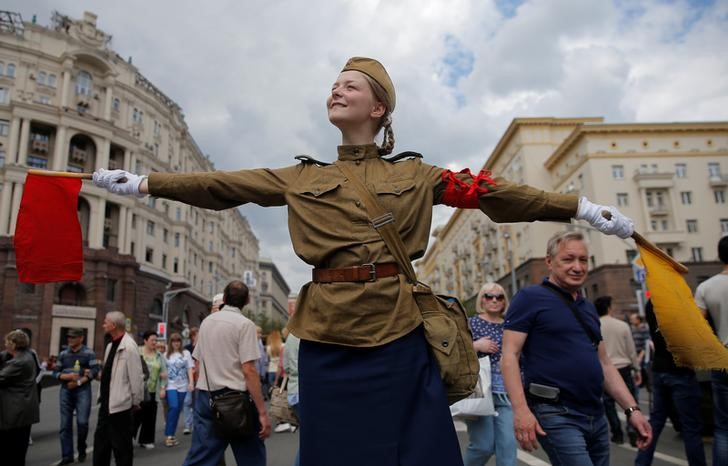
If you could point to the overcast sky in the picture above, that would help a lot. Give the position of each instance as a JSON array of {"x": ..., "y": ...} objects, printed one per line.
[{"x": 252, "y": 76}]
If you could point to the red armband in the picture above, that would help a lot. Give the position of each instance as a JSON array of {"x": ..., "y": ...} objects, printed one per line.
[{"x": 458, "y": 193}]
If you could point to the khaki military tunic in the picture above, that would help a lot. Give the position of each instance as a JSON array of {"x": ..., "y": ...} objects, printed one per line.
[{"x": 329, "y": 228}]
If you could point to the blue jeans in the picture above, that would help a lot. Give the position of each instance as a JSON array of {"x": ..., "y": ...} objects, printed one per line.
[
  {"x": 208, "y": 448},
  {"x": 492, "y": 434},
  {"x": 573, "y": 438},
  {"x": 683, "y": 391},
  {"x": 175, "y": 399},
  {"x": 78, "y": 399},
  {"x": 720, "y": 414},
  {"x": 187, "y": 410}
]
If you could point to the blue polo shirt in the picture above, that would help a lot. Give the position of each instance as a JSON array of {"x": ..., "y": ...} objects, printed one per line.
[{"x": 557, "y": 351}]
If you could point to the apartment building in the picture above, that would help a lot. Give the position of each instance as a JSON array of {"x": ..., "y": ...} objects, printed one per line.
[
  {"x": 69, "y": 102},
  {"x": 274, "y": 293},
  {"x": 671, "y": 178}
]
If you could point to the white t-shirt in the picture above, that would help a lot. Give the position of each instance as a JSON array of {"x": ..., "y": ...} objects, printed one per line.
[
  {"x": 177, "y": 365},
  {"x": 712, "y": 296},
  {"x": 226, "y": 340}
]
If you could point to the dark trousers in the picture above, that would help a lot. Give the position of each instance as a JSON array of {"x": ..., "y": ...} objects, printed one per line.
[
  {"x": 383, "y": 406},
  {"x": 615, "y": 425},
  {"x": 113, "y": 434},
  {"x": 145, "y": 420},
  {"x": 14, "y": 445}
]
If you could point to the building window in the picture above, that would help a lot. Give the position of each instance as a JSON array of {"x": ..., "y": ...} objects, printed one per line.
[
  {"x": 52, "y": 80},
  {"x": 150, "y": 227},
  {"x": 719, "y": 196},
  {"x": 4, "y": 95},
  {"x": 4, "y": 127},
  {"x": 697, "y": 254},
  {"x": 10, "y": 70},
  {"x": 83, "y": 83},
  {"x": 178, "y": 214},
  {"x": 116, "y": 104},
  {"x": 692, "y": 226},
  {"x": 111, "y": 290},
  {"x": 149, "y": 255},
  {"x": 209, "y": 267},
  {"x": 2, "y": 157},
  {"x": 44, "y": 99},
  {"x": 713, "y": 169},
  {"x": 618, "y": 172},
  {"x": 137, "y": 116},
  {"x": 42, "y": 78},
  {"x": 175, "y": 265},
  {"x": 132, "y": 249},
  {"x": 686, "y": 197},
  {"x": 681, "y": 170},
  {"x": 35, "y": 161},
  {"x": 165, "y": 235},
  {"x": 655, "y": 199},
  {"x": 724, "y": 225},
  {"x": 157, "y": 128},
  {"x": 622, "y": 199},
  {"x": 176, "y": 239},
  {"x": 164, "y": 261}
]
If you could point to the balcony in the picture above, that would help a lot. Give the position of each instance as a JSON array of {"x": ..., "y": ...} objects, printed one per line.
[
  {"x": 39, "y": 146},
  {"x": 668, "y": 238},
  {"x": 648, "y": 180},
  {"x": 718, "y": 180},
  {"x": 659, "y": 210}
]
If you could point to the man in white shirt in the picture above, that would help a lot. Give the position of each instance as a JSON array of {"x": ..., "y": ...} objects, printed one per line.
[{"x": 225, "y": 357}]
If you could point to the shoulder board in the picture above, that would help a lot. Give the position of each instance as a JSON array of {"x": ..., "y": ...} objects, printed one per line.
[
  {"x": 402, "y": 155},
  {"x": 308, "y": 159}
]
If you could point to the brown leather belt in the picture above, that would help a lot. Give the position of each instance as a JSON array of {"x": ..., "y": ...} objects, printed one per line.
[{"x": 357, "y": 273}]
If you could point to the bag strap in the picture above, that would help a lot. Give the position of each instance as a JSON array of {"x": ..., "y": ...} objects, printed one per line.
[
  {"x": 382, "y": 221},
  {"x": 590, "y": 333}
]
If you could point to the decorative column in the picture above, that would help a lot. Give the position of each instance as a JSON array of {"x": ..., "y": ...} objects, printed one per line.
[
  {"x": 15, "y": 206},
  {"x": 96, "y": 223},
  {"x": 12, "y": 155},
  {"x": 127, "y": 159},
  {"x": 24, "y": 141},
  {"x": 102, "y": 154},
  {"x": 108, "y": 98},
  {"x": 66, "y": 82},
  {"x": 123, "y": 248},
  {"x": 60, "y": 151},
  {"x": 5, "y": 195}
]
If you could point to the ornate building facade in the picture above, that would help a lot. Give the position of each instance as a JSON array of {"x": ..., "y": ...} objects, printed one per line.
[
  {"x": 273, "y": 291},
  {"x": 671, "y": 178},
  {"x": 68, "y": 102}
]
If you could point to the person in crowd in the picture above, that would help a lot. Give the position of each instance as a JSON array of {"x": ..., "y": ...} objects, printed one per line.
[
  {"x": 187, "y": 410},
  {"x": 145, "y": 419},
  {"x": 491, "y": 434},
  {"x": 19, "y": 408},
  {"x": 290, "y": 362},
  {"x": 274, "y": 351},
  {"x": 262, "y": 363},
  {"x": 359, "y": 309},
  {"x": 641, "y": 337},
  {"x": 179, "y": 382},
  {"x": 619, "y": 344},
  {"x": 217, "y": 303},
  {"x": 76, "y": 368},
  {"x": 552, "y": 334},
  {"x": 121, "y": 390},
  {"x": 225, "y": 357},
  {"x": 677, "y": 387},
  {"x": 711, "y": 296}
]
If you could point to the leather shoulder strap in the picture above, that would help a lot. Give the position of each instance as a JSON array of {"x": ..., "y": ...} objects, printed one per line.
[
  {"x": 309, "y": 159},
  {"x": 402, "y": 155}
]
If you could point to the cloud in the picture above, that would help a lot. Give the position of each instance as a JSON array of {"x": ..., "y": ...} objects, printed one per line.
[{"x": 252, "y": 77}]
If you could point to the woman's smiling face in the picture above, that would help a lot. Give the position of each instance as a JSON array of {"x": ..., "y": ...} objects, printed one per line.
[{"x": 352, "y": 102}]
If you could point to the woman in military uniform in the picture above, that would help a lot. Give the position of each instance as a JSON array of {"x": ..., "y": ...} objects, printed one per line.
[{"x": 370, "y": 392}]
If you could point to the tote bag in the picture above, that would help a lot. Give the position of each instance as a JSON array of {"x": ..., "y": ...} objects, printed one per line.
[{"x": 480, "y": 403}]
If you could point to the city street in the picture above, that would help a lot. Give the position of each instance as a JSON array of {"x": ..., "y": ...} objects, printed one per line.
[{"x": 281, "y": 447}]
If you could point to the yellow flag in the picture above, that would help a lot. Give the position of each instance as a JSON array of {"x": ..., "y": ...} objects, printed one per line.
[{"x": 687, "y": 333}]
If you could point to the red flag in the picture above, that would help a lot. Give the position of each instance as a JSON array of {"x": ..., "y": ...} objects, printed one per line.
[{"x": 48, "y": 244}]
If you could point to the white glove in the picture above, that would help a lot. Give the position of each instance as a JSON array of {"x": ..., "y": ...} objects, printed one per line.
[
  {"x": 119, "y": 182},
  {"x": 617, "y": 224}
]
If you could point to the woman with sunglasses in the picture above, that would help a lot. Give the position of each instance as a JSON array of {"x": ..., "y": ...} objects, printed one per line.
[
  {"x": 179, "y": 381},
  {"x": 491, "y": 434}
]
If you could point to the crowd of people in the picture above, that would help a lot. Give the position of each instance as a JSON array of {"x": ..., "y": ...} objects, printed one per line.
[{"x": 369, "y": 390}]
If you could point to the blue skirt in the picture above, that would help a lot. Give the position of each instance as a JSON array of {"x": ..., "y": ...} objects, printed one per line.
[{"x": 382, "y": 406}]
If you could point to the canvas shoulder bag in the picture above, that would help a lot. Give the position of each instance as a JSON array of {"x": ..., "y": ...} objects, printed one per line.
[{"x": 445, "y": 321}]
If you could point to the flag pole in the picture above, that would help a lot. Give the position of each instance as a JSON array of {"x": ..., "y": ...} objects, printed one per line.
[
  {"x": 83, "y": 176},
  {"x": 644, "y": 243}
]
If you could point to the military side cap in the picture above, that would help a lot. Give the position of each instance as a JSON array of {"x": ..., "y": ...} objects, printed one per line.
[
  {"x": 376, "y": 71},
  {"x": 74, "y": 332}
]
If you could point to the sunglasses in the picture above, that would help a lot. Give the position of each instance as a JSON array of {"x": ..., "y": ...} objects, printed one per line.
[{"x": 498, "y": 297}]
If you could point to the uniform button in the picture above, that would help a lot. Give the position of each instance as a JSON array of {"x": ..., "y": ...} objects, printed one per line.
[
  {"x": 358, "y": 162},
  {"x": 396, "y": 190},
  {"x": 358, "y": 204}
]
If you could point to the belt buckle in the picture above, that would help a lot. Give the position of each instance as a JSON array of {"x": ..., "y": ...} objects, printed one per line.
[{"x": 372, "y": 271}]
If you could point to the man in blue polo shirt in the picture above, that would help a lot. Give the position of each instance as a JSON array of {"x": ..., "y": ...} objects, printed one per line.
[{"x": 564, "y": 363}]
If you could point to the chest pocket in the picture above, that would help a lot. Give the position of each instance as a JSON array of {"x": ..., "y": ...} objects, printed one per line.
[
  {"x": 396, "y": 195},
  {"x": 319, "y": 189}
]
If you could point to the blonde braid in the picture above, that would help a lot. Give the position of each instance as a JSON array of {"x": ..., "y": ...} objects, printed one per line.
[{"x": 388, "y": 140}]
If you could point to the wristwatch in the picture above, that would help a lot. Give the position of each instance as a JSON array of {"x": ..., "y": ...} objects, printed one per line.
[{"x": 628, "y": 412}]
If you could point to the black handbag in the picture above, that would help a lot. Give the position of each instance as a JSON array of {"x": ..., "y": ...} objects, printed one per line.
[{"x": 233, "y": 412}]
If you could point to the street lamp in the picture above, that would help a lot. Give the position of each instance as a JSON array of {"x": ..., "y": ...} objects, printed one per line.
[
  {"x": 167, "y": 297},
  {"x": 514, "y": 287}
]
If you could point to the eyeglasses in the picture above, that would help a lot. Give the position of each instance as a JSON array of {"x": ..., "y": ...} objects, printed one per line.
[{"x": 498, "y": 297}]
